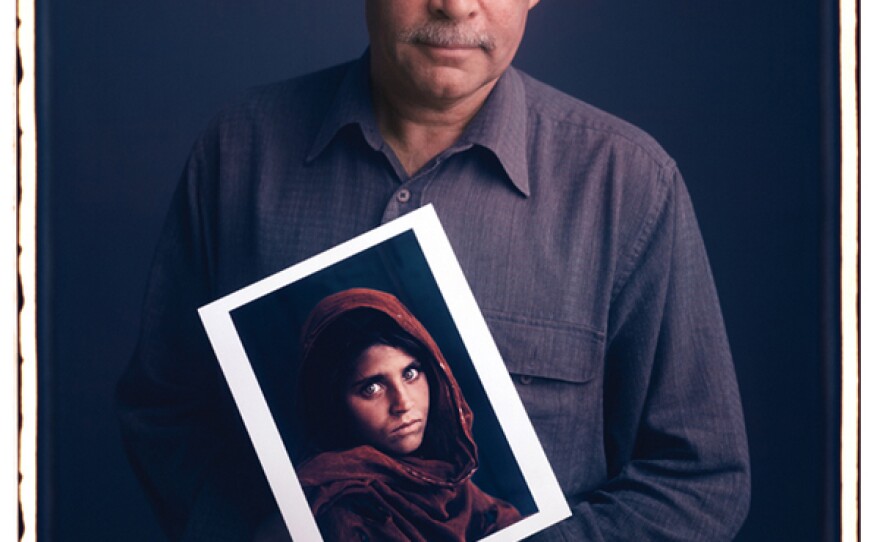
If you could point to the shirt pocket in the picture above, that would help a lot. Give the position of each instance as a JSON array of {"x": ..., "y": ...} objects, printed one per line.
[
  {"x": 533, "y": 348},
  {"x": 558, "y": 372}
]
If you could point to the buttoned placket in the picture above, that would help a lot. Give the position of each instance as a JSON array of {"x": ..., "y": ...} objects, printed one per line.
[{"x": 408, "y": 196}]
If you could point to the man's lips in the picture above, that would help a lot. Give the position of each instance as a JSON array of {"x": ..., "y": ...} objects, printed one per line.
[
  {"x": 451, "y": 48},
  {"x": 448, "y": 53},
  {"x": 451, "y": 45}
]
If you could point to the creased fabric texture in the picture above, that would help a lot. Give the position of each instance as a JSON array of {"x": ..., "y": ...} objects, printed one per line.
[
  {"x": 363, "y": 493},
  {"x": 577, "y": 236}
]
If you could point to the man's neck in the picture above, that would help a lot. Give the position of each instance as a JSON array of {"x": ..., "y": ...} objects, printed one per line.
[{"x": 417, "y": 132}]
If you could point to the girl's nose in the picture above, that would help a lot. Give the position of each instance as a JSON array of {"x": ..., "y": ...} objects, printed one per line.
[{"x": 401, "y": 401}]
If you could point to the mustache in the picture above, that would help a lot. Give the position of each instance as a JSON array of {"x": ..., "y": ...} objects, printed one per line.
[{"x": 444, "y": 34}]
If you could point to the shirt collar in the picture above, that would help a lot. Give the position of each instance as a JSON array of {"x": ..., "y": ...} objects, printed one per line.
[
  {"x": 352, "y": 105},
  {"x": 500, "y": 126}
]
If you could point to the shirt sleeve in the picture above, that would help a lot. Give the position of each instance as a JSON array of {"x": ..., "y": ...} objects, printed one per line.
[
  {"x": 181, "y": 431},
  {"x": 674, "y": 432}
]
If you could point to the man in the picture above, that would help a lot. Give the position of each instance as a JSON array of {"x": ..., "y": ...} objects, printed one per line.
[{"x": 574, "y": 230}]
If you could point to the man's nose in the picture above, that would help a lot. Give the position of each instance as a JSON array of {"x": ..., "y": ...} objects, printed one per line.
[
  {"x": 455, "y": 10},
  {"x": 401, "y": 400}
]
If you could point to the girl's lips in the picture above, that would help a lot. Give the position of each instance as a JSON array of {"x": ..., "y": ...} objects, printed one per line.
[{"x": 406, "y": 428}]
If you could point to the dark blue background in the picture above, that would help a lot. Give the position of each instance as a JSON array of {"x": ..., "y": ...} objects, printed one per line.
[{"x": 741, "y": 93}]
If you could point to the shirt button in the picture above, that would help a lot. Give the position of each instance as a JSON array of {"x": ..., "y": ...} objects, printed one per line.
[
  {"x": 403, "y": 195},
  {"x": 525, "y": 379}
]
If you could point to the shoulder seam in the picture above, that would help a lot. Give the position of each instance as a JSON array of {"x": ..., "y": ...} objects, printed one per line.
[{"x": 631, "y": 262}]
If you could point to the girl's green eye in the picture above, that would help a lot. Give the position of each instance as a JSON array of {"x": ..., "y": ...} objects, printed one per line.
[
  {"x": 411, "y": 373},
  {"x": 371, "y": 389}
]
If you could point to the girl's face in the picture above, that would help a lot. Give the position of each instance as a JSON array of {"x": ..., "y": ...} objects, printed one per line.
[{"x": 389, "y": 397}]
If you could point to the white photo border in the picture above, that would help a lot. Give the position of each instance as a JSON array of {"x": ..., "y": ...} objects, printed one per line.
[{"x": 257, "y": 416}]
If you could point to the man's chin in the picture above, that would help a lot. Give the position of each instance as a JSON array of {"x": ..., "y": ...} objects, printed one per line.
[{"x": 452, "y": 85}]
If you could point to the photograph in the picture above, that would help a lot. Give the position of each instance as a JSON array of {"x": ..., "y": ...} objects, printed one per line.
[
  {"x": 395, "y": 426},
  {"x": 645, "y": 199}
]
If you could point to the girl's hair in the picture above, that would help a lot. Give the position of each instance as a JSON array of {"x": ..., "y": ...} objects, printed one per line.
[{"x": 331, "y": 359}]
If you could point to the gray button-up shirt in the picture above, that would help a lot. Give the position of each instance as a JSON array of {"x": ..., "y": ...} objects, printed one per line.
[{"x": 578, "y": 239}]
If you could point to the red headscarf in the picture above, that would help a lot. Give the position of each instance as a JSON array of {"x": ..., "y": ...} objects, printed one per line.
[{"x": 363, "y": 492}]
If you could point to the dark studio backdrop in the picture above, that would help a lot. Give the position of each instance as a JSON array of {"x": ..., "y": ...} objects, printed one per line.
[{"x": 742, "y": 94}]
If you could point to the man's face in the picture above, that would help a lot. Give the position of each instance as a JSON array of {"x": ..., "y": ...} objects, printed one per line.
[{"x": 442, "y": 51}]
